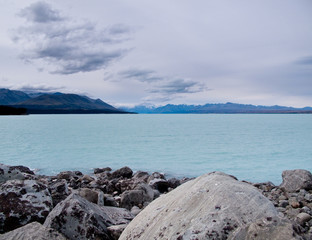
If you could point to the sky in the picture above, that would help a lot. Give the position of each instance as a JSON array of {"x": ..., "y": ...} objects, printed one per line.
[{"x": 158, "y": 52}]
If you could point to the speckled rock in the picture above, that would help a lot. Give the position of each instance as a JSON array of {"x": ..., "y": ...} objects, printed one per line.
[
  {"x": 59, "y": 191},
  {"x": 267, "y": 228},
  {"x": 78, "y": 218},
  {"x": 15, "y": 172},
  {"x": 294, "y": 180},
  {"x": 33, "y": 231},
  {"x": 210, "y": 207},
  {"x": 22, "y": 202}
]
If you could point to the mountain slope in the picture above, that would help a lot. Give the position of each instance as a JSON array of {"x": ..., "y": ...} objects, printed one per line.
[
  {"x": 8, "y": 97},
  {"x": 66, "y": 102}
]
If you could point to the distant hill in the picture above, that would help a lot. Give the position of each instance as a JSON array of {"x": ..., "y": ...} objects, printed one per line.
[
  {"x": 218, "y": 108},
  {"x": 55, "y": 103},
  {"x": 8, "y": 97}
]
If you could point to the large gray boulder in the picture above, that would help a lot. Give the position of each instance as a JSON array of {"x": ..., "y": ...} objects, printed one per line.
[
  {"x": 22, "y": 202},
  {"x": 33, "y": 231},
  {"x": 212, "y": 206},
  {"x": 294, "y": 180},
  {"x": 77, "y": 218},
  {"x": 14, "y": 172}
]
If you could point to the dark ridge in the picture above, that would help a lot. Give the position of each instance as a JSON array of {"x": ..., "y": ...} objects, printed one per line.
[{"x": 6, "y": 110}]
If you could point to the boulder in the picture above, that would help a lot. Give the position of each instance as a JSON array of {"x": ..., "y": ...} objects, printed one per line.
[
  {"x": 159, "y": 184},
  {"x": 77, "y": 218},
  {"x": 89, "y": 194},
  {"x": 294, "y": 180},
  {"x": 101, "y": 170},
  {"x": 124, "y": 172},
  {"x": 116, "y": 230},
  {"x": 141, "y": 194},
  {"x": 59, "y": 191},
  {"x": 15, "y": 172},
  {"x": 210, "y": 207},
  {"x": 34, "y": 231},
  {"x": 267, "y": 228},
  {"x": 22, "y": 202}
]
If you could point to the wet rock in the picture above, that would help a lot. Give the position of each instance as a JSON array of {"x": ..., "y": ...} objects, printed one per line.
[
  {"x": 32, "y": 231},
  {"x": 294, "y": 180},
  {"x": 15, "y": 172},
  {"x": 67, "y": 175},
  {"x": 101, "y": 170},
  {"x": 302, "y": 218},
  {"x": 267, "y": 228},
  {"x": 124, "y": 172},
  {"x": 78, "y": 218},
  {"x": 210, "y": 207},
  {"x": 22, "y": 202}
]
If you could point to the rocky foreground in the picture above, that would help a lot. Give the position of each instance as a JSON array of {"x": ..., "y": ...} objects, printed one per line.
[{"x": 123, "y": 205}]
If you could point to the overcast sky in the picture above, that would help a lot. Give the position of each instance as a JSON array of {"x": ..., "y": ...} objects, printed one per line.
[{"x": 159, "y": 52}]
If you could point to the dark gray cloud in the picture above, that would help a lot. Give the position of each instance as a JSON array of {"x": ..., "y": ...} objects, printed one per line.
[
  {"x": 40, "y": 12},
  {"x": 140, "y": 75},
  {"x": 69, "y": 47},
  {"x": 177, "y": 86}
]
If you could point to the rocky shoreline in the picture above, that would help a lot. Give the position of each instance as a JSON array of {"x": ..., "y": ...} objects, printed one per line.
[{"x": 125, "y": 205}]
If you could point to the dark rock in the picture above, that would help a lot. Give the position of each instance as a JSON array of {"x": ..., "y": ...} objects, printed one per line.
[
  {"x": 173, "y": 183},
  {"x": 22, "y": 202},
  {"x": 21, "y": 169},
  {"x": 67, "y": 175},
  {"x": 294, "y": 180},
  {"x": 32, "y": 231},
  {"x": 101, "y": 170},
  {"x": 131, "y": 198},
  {"x": 159, "y": 184},
  {"x": 109, "y": 200},
  {"x": 124, "y": 172},
  {"x": 59, "y": 191}
]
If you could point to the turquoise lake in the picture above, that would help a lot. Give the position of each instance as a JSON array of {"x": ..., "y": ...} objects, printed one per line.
[{"x": 252, "y": 147}]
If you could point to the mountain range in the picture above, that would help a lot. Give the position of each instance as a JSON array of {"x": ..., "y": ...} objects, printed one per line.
[
  {"x": 11, "y": 100},
  {"x": 217, "y": 108},
  {"x": 54, "y": 103}
]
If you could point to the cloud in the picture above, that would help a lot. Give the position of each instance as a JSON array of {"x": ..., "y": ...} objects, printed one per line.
[
  {"x": 65, "y": 46},
  {"x": 36, "y": 88},
  {"x": 140, "y": 75},
  {"x": 40, "y": 12},
  {"x": 305, "y": 61},
  {"x": 176, "y": 86}
]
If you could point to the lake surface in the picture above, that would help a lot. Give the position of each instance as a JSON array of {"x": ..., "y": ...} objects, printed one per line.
[{"x": 253, "y": 147}]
